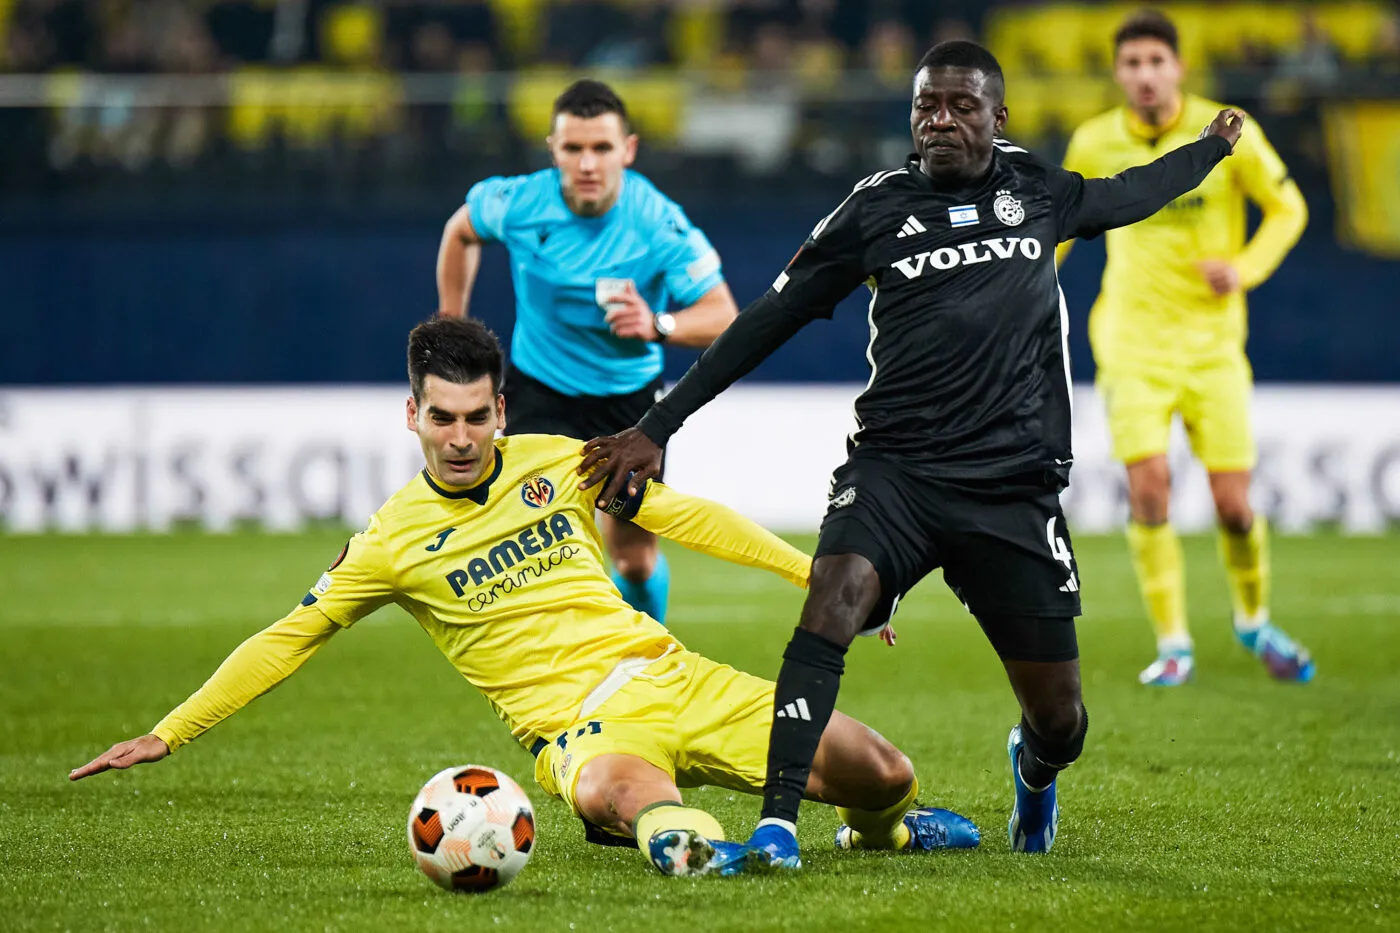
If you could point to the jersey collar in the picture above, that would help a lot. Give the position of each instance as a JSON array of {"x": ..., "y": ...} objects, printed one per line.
[
  {"x": 477, "y": 493},
  {"x": 915, "y": 167}
]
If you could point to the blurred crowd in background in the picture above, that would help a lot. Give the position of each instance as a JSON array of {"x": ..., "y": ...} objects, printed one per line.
[
  {"x": 365, "y": 96},
  {"x": 443, "y": 35}
]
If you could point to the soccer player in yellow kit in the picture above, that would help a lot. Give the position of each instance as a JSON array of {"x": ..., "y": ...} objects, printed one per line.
[
  {"x": 1168, "y": 333},
  {"x": 496, "y": 552}
]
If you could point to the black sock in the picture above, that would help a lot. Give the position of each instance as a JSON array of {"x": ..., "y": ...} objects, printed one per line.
[
  {"x": 802, "y": 705},
  {"x": 1036, "y": 773},
  {"x": 1035, "y": 769}
]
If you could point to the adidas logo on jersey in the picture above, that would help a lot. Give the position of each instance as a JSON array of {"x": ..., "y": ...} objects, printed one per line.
[
  {"x": 797, "y": 709},
  {"x": 968, "y": 254},
  {"x": 911, "y": 227}
]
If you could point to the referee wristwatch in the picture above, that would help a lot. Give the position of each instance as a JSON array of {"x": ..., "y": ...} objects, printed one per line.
[{"x": 665, "y": 326}]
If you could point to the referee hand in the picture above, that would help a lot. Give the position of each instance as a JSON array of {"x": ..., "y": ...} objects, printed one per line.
[
  {"x": 630, "y": 317},
  {"x": 1228, "y": 125},
  {"x": 627, "y": 459},
  {"x": 123, "y": 755}
]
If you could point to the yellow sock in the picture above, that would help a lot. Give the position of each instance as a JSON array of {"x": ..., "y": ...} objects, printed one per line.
[
  {"x": 1161, "y": 574},
  {"x": 667, "y": 815},
  {"x": 880, "y": 829},
  {"x": 1246, "y": 559}
]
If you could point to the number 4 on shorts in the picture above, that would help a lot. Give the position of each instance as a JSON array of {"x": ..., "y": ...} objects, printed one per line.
[{"x": 1059, "y": 550}]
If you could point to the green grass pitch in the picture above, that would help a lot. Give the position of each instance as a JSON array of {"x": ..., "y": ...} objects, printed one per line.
[{"x": 1234, "y": 803}]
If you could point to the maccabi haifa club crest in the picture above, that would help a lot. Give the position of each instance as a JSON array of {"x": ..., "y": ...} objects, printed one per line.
[
  {"x": 1008, "y": 210},
  {"x": 537, "y": 492}
]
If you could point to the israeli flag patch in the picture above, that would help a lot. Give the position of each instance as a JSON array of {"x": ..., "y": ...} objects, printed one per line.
[{"x": 963, "y": 216}]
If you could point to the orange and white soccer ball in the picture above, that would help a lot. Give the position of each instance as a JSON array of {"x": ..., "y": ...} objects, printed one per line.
[{"x": 471, "y": 829}]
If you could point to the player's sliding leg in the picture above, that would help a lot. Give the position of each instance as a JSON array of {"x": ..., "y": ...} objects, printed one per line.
[
  {"x": 844, "y": 590},
  {"x": 1244, "y": 549},
  {"x": 1050, "y": 736},
  {"x": 1160, "y": 568},
  {"x": 641, "y": 572},
  {"x": 628, "y": 796},
  {"x": 873, "y": 787}
]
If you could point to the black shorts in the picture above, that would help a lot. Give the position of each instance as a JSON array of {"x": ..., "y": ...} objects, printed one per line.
[
  {"x": 1002, "y": 544},
  {"x": 534, "y": 408}
]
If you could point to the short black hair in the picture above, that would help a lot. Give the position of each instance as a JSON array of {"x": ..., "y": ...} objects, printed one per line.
[
  {"x": 1147, "y": 24},
  {"x": 588, "y": 98},
  {"x": 460, "y": 350},
  {"x": 959, "y": 53}
]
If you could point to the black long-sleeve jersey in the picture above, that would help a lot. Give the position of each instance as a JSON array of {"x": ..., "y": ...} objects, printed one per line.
[{"x": 969, "y": 363}]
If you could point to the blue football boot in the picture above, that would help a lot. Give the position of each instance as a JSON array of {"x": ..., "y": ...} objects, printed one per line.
[
  {"x": 930, "y": 828},
  {"x": 682, "y": 853},
  {"x": 772, "y": 848},
  {"x": 1036, "y": 814},
  {"x": 1283, "y": 657}
]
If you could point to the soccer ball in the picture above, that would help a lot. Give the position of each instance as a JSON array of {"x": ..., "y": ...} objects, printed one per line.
[{"x": 471, "y": 829}]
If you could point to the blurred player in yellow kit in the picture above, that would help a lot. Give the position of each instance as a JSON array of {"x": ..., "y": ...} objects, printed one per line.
[
  {"x": 496, "y": 553},
  {"x": 1168, "y": 334}
]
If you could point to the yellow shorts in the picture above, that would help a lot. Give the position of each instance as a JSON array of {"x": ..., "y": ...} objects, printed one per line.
[
  {"x": 702, "y": 722},
  {"x": 1213, "y": 401}
]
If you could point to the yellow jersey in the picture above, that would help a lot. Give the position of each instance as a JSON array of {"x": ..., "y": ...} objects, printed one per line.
[
  {"x": 509, "y": 579},
  {"x": 1155, "y": 310}
]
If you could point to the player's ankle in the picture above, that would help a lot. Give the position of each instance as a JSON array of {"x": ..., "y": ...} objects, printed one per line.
[
  {"x": 1245, "y": 623},
  {"x": 1035, "y": 774},
  {"x": 788, "y": 825},
  {"x": 1175, "y": 644}
]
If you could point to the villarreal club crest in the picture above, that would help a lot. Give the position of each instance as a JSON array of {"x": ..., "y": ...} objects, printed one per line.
[{"x": 537, "y": 492}]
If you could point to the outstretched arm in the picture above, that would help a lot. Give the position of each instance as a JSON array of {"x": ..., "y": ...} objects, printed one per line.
[
  {"x": 255, "y": 667},
  {"x": 1087, "y": 207},
  {"x": 713, "y": 529}
]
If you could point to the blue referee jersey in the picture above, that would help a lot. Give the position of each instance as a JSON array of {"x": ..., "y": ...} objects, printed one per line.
[{"x": 557, "y": 260}]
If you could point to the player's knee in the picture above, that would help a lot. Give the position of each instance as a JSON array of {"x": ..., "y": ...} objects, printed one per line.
[
  {"x": 891, "y": 774},
  {"x": 606, "y": 799},
  {"x": 592, "y": 798}
]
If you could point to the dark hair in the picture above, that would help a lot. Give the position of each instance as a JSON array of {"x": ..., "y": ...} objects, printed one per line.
[
  {"x": 589, "y": 98},
  {"x": 959, "y": 53},
  {"x": 1147, "y": 24},
  {"x": 456, "y": 349}
]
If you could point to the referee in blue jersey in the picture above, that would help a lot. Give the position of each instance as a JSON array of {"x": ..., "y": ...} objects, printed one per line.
[{"x": 597, "y": 257}]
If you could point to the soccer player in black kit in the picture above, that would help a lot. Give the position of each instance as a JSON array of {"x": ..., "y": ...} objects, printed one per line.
[{"x": 962, "y": 442}]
